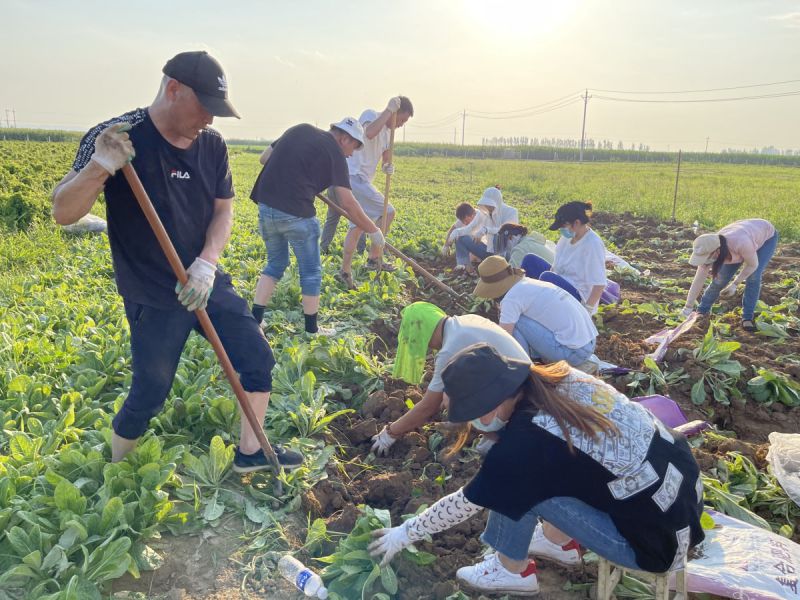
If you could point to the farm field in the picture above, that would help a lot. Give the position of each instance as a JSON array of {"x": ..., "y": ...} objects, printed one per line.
[{"x": 174, "y": 521}]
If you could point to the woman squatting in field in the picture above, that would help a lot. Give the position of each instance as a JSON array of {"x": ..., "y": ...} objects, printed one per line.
[
  {"x": 575, "y": 452},
  {"x": 477, "y": 236},
  {"x": 580, "y": 263},
  {"x": 751, "y": 243},
  {"x": 547, "y": 321}
]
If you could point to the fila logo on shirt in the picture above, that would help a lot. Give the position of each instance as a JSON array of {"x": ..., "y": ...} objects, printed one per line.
[{"x": 175, "y": 174}]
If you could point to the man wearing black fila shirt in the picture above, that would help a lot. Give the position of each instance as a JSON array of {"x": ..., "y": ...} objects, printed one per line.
[{"x": 183, "y": 165}]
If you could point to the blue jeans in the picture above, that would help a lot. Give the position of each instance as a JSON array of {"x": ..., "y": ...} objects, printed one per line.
[
  {"x": 280, "y": 230},
  {"x": 540, "y": 342},
  {"x": 590, "y": 527},
  {"x": 752, "y": 287},
  {"x": 329, "y": 229},
  {"x": 466, "y": 245}
]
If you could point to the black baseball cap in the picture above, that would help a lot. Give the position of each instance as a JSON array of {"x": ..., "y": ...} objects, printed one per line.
[
  {"x": 478, "y": 379},
  {"x": 571, "y": 211},
  {"x": 203, "y": 73}
]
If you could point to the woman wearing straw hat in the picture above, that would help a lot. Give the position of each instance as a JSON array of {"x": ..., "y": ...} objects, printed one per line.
[
  {"x": 574, "y": 452},
  {"x": 544, "y": 318},
  {"x": 751, "y": 243}
]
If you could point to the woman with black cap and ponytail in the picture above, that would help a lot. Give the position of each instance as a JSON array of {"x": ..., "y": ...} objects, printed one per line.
[
  {"x": 580, "y": 263},
  {"x": 573, "y": 452}
]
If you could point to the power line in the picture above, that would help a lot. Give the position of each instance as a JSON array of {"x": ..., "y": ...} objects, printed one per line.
[
  {"x": 505, "y": 112},
  {"x": 534, "y": 113},
  {"x": 723, "y": 89},
  {"x": 702, "y": 100}
]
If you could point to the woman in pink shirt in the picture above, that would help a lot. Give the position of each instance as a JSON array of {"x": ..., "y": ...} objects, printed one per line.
[{"x": 751, "y": 243}]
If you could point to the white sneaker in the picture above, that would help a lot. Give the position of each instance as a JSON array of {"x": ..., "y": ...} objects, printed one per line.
[
  {"x": 325, "y": 331},
  {"x": 491, "y": 576},
  {"x": 541, "y": 547}
]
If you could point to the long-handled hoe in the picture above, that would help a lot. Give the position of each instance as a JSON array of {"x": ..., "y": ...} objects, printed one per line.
[
  {"x": 410, "y": 261},
  {"x": 205, "y": 322}
]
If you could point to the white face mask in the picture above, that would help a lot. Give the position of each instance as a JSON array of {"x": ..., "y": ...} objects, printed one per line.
[{"x": 496, "y": 425}]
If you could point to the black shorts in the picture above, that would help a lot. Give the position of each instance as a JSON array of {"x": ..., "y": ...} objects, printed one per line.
[{"x": 157, "y": 340}]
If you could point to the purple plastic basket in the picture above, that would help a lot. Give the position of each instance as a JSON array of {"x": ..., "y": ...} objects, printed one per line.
[
  {"x": 664, "y": 408},
  {"x": 611, "y": 294}
]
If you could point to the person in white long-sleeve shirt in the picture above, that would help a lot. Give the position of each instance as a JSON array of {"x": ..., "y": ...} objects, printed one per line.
[{"x": 478, "y": 236}]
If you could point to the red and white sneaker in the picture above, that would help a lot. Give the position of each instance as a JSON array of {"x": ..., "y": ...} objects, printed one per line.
[
  {"x": 491, "y": 576},
  {"x": 568, "y": 554}
]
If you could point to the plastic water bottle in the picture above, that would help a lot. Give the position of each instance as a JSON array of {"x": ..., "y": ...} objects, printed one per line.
[
  {"x": 695, "y": 227},
  {"x": 303, "y": 578}
]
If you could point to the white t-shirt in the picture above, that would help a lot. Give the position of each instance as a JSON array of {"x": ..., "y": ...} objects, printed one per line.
[
  {"x": 461, "y": 332},
  {"x": 365, "y": 160},
  {"x": 550, "y": 306},
  {"x": 582, "y": 263}
]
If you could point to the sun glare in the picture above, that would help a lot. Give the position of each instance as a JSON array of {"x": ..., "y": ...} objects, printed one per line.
[{"x": 520, "y": 17}]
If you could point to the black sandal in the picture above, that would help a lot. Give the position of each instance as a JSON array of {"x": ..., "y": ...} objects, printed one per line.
[{"x": 748, "y": 325}]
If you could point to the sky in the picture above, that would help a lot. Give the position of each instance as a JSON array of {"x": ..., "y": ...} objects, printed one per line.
[{"x": 515, "y": 67}]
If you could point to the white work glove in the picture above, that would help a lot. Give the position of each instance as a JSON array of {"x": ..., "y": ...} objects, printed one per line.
[
  {"x": 113, "y": 148},
  {"x": 381, "y": 442},
  {"x": 394, "y": 104},
  {"x": 388, "y": 543},
  {"x": 194, "y": 295},
  {"x": 591, "y": 308},
  {"x": 377, "y": 239},
  {"x": 730, "y": 291},
  {"x": 484, "y": 445},
  {"x": 445, "y": 249},
  {"x": 388, "y": 168}
]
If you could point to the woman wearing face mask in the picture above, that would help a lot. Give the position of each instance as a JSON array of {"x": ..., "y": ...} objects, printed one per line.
[
  {"x": 575, "y": 452},
  {"x": 579, "y": 265},
  {"x": 751, "y": 243}
]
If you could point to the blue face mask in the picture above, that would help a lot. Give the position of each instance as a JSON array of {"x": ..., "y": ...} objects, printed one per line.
[
  {"x": 565, "y": 232},
  {"x": 496, "y": 425}
]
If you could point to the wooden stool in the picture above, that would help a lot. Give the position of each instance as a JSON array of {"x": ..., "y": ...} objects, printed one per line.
[{"x": 608, "y": 575}]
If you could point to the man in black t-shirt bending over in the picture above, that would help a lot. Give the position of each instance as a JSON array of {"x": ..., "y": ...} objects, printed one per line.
[
  {"x": 183, "y": 165},
  {"x": 301, "y": 163}
]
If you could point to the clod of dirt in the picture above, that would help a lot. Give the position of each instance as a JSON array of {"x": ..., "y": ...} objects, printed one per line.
[
  {"x": 373, "y": 406},
  {"x": 344, "y": 520},
  {"x": 385, "y": 489},
  {"x": 362, "y": 431}
]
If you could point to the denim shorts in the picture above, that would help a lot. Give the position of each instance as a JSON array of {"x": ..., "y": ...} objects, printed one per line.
[
  {"x": 280, "y": 230},
  {"x": 157, "y": 340}
]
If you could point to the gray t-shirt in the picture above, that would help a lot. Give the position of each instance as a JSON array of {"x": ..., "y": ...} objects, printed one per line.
[{"x": 461, "y": 332}]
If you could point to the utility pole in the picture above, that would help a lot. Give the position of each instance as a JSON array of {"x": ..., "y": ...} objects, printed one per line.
[
  {"x": 8, "y": 123},
  {"x": 463, "y": 124},
  {"x": 707, "y": 145},
  {"x": 14, "y": 113},
  {"x": 675, "y": 195},
  {"x": 583, "y": 127},
  {"x": 454, "y": 135}
]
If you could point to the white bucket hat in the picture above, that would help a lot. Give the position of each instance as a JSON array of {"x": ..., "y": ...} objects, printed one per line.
[
  {"x": 352, "y": 128},
  {"x": 492, "y": 196}
]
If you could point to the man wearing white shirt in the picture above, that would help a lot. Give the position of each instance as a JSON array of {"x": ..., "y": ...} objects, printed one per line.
[{"x": 362, "y": 166}]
